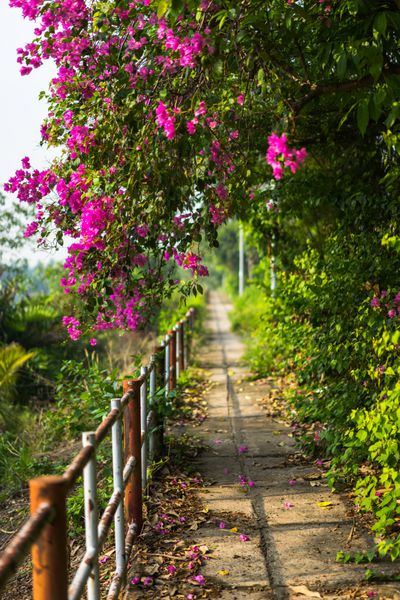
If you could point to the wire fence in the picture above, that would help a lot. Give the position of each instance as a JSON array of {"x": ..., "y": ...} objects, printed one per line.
[{"x": 135, "y": 426}]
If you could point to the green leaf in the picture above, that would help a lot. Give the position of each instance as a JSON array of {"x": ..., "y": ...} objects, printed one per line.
[
  {"x": 362, "y": 116},
  {"x": 162, "y": 7},
  {"x": 342, "y": 65},
  {"x": 362, "y": 435},
  {"x": 380, "y": 23}
]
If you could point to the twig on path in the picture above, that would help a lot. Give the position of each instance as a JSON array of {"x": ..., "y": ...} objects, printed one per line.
[
  {"x": 166, "y": 556},
  {"x": 352, "y": 530}
]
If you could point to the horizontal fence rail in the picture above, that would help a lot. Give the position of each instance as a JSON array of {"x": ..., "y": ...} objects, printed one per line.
[{"x": 136, "y": 430}]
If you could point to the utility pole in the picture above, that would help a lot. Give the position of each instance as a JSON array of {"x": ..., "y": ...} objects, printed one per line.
[
  {"x": 241, "y": 259},
  {"x": 273, "y": 267}
]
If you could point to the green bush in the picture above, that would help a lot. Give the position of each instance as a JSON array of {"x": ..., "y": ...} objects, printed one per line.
[{"x": 334, "y": 323}]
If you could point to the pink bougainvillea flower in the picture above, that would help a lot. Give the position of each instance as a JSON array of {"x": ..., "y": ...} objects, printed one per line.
[
  {"x": 104, "y": 559},
  {"x": 135, "y": 580},
  {"x": 279, "y": 155},
  {"x": 171, "y": 569},
  {"x": 375, "y": 302},
  {"x": 200, "y": 579},
  {"x": 244, "y": 538},
  {"x": 222, "y": 525},
  {"x": 191, "y": 127},
  {"x": 240, "y": 99},
  {"x": 93, "y": 341},
  {"x": 148, "y": 581},
  {"x": 243, "y": 449},
  {"x": 292, "y": 482}
]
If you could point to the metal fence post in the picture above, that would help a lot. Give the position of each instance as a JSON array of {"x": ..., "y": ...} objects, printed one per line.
[
  {"x": 143, "y": 418},
  {"x": 91, "y": 516},
  {"x": 49, "y": 552},
  {"x": 185, "y": 343},
  {"x": 166, "y": 365},
  {"x": 132, "y": 443},
  {"x": 172, "y": 359},
  {"x": 153, "y": 408},
  {"x": 160, "y": 382},
  {"x": 118, "y": 482},
  {"x": 177, "y": 352},
  {"x": 189, "y": 335},
  {"x": 181, "y": 355}
]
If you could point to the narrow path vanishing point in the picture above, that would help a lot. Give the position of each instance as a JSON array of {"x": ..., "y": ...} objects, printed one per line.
[{"x": 293, "y": 540}]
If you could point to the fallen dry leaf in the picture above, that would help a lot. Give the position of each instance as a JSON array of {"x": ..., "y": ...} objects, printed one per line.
[{"x": 304, "y": 591}]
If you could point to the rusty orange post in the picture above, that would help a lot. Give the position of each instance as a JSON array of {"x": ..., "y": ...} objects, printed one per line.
[
  {"x": 172, "y": 359},
  {"x": 132, "y": 446},
  {"x": 49, "y": 552},
  {"x": 181, "y": 357}
]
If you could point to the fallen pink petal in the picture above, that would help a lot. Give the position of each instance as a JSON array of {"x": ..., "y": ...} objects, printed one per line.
[
  {"x": 243, "y": 449},
  {"x": 288, "y": 505},
  {"x": 104, "y": 559},
  {"x": 244, "y": 538},
  {"x": 171, "y": 569}
]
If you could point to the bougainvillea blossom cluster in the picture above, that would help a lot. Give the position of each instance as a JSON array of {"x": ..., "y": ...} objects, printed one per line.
[
  {"x": 140, "y": 140},
  {"x": 280, "y": 155},
  {"x": 383, "y": 303}
]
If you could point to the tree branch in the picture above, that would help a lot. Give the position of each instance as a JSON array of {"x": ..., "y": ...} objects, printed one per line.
[{"x": 320, "y": 89}]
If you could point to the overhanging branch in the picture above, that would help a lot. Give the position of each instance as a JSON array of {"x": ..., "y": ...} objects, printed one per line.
[{"x": 320, "y": 89}]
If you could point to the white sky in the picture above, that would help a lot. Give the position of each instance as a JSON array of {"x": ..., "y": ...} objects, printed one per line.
[{"x": 21, "y": 112}]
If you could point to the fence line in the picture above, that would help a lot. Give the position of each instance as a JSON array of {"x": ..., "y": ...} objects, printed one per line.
[{"x": 136, "y": 429}]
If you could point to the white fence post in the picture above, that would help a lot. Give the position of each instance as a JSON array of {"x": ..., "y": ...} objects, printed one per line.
[
  {"x": 91, "y": 516},
  {"x": 178, "y": 350},
  {"x": 166, "y": 370},
  {"x": 152, "y": 394},
  {"x": 118, "y": 482},
  {"x": 143, "y": 419}
]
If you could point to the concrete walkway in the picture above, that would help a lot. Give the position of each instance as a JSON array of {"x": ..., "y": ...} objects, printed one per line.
[{"x": 293, "y": 537}]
